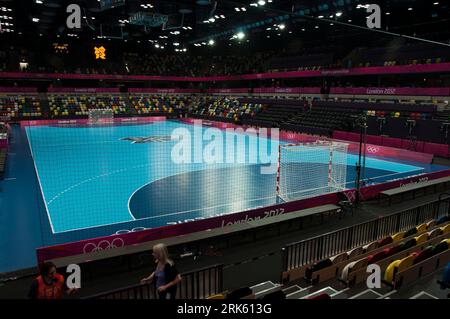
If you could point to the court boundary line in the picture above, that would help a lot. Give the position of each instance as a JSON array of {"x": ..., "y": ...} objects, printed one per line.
[
  {"x": 184, "y": 212},
  {"x": 39, "y": 181},
  {"x": 205, "y": 208}
]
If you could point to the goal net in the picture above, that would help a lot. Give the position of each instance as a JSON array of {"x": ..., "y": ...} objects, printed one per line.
[
  {"x": 311, "y": 169},
  {"x": 101, "y": 116}
]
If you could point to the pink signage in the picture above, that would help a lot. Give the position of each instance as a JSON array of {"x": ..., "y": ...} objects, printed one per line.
[
  {"x": 393, "y": 91},
  {"x": 392, "y": 147},
  {"x": 231, "y": 91},
  {"x": 18, "y": 90},
  {"x": 162, "y": 91},
  {"x": 82, "y": 90},
  {"x": 86, "y": 121},
  {"x": 296, "y": 90}
]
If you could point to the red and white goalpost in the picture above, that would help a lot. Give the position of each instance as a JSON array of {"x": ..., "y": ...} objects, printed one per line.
[
  {"x": 311, "y": 169},
  {"x": 101, "y": 116}
]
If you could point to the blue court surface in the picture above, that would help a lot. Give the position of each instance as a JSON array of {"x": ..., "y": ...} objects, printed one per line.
[{"x": 71, "y": 183}]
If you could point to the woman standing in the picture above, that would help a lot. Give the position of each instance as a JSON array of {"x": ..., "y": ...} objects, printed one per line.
[{"x": 165, "y": 276}]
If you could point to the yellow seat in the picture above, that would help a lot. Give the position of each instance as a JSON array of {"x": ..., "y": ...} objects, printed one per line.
[
  {"x": 421, "y": 228},
  {"x": 398, "y": 236},
  {"x": 445, "y": 229},
  {"x": 391, "y": 270},
  {"x": 218, "y": 296},
  {"x": 421, "y": 238},
  {"x": 406, "y": 262}
]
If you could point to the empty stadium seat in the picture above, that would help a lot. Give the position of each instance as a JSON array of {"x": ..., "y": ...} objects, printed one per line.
[
  {"x": 398, "y": 236},
  {"x": 424, "y": 254}
]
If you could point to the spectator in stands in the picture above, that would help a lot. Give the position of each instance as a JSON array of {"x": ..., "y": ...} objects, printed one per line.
[
  {"x": 166, "y": 276},
  {"x": 49, "y": 284}
]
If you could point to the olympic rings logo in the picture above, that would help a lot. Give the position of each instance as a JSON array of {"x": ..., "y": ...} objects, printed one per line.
[
  {"x": 373, "y": 149},
  {"x": 351, "y": 196},
  {"x": 103, "y": 245}
]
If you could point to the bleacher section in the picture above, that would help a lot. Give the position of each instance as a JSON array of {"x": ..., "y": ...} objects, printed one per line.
[
  {"x": 403, "y": 258},
  {"x": 321, "y": 120},
  {"x": 274, "y": 112},
  {"x": 413, "y": 53},
  {"x": 63, "y": 105},
  {"x": 227, "y": 109},
  {"x": 159, "y": 104},
  {"x": 22, "y": 106}
]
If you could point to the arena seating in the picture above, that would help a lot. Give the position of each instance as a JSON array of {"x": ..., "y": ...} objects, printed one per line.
[
  {"x": 196, "y": 65},
  {"x": 387, "y": 252},
  {"x": 412, "y": 53},
  {"x": 64, "y": 105},
  {"x": 20, "y": 106},
  {"x": 151, "y": 104},
  {"x": 188, "y": 65},
  {"x": 227, "y": 109}
]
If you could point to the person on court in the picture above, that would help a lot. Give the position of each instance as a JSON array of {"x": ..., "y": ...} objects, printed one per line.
[
  {"x": 49, "y": 284},
  {"x": 166, "y": 276}
]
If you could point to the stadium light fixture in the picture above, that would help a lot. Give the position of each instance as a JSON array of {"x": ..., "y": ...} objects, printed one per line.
[
  {"x": 261, "y": 2},
  {"x": 211, "y": 42},
  {"x": 339, "y": 14},
  {"x": 240, "y": 35},
  {"x": 282, "y": 26}
]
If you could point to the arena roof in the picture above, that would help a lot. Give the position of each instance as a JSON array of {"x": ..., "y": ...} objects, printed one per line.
[{"x": 197, "y": 23}]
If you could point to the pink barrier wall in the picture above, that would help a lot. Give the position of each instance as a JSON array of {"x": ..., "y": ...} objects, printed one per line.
[
  {"x": 225, "y": 91},
  {"x": 18, "y": 90},
  {"x": 372, "y": 148},
  {"x": 296, "y": 90},
  {"x": 85, "y": 121},
  {"x": 423, "y": 148},
  {"x": 78, "y": 248},
  {"x": 393, "y": 91},
  {"x": 398, "y": 69},
  {"x": 3, "y": 143},
  {"x": 82, "y": 90},
  {"x": 162, "y": 91}
]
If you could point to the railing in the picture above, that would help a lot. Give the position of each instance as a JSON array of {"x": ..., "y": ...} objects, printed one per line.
[
  {"x": 324, "y": 246},
  {"x": 198, "y": 284}
]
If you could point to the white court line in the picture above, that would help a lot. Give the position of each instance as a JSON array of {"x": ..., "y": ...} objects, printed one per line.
[
  {"x": 10, "y": 179},
  {"x": 423, "y": 293},
  {"x": 151, "y": 217},
  {"x": 193, "y": 210},
  {"x": 159, "y": 216},
  {"x": 39, "y": 180}
]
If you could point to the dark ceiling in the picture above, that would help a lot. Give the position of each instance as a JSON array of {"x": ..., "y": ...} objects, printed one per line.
[{"x": 187, "y": 20}]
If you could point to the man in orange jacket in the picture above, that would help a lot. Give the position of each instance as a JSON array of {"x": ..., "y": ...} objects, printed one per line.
[{"x": 49, "y": 284}]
